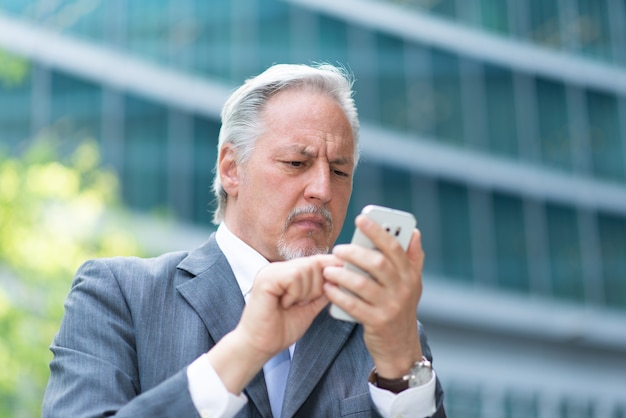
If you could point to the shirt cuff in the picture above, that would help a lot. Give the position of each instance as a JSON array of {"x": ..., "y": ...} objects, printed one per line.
[
  {"x": 208, "y": 393},
  {"x": 418, "y": 402}
]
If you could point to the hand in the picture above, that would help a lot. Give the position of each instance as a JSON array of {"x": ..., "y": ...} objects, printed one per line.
[
  {"x": 387, "y": 305},
  {"x": 285, "y": 299}
]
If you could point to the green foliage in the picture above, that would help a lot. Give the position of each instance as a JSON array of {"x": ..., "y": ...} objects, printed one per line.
[
  {"x": 13, "y": 69},
  {"x": 52, "y": 218}
]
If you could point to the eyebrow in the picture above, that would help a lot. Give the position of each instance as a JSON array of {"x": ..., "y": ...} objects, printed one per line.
[{"x": 304, "y": 151}]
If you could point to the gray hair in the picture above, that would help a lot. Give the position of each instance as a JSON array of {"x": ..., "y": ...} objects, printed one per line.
[{"x": 240, "y": 115}]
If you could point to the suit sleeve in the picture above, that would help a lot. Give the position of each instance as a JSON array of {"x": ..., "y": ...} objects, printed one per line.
[
  {"x": 94, "y": 370},
  {"x": 440, "y": 413}
]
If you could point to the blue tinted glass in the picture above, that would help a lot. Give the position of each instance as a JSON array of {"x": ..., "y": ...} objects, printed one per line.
[
  {"x": 333, "y": 40},
  {"x": 396, "y": 188},
  {"x": 445, "y": 8},
  {"x": 447, "y": 116},
  {"x": 463, "y": 400},
  {"x": 205, "y": 154},
  {"x": 148, "y": 29},
  {"x": 392, "y": 87},
  {"x": 87, "y": 21},
  {"x": 544, "y": 24},
  {"x": 564, "y": 253},
  {"x": 510, "y": 246},
  {"x": 554, "y": 137},
  {"x": 495, "y": 15},
  {"x": 500, "y": 99},
  {"x": 455, "y": 231},
  {"x": 77, "y": 105},
  {"x": 604, "y": 136},
  {"x": 613, "y": 247},
  {"x": 15, "y": 104},
  {"x": 212, "y": 42},
  {"x": 274, "y": 33},
  {"x": 593, "y": 28},
  {"x": 144, "y": 172},
  {"x": 518, "y": 404}
]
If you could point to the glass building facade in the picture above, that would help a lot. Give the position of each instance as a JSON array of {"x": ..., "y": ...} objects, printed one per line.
[{"x": 500, "y": 124}]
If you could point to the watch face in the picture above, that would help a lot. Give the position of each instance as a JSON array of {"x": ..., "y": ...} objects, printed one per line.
[{"x": 421, "y": 374}]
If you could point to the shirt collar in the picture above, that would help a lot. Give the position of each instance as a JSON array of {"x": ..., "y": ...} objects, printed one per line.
[{"x": 244, "y": 260}]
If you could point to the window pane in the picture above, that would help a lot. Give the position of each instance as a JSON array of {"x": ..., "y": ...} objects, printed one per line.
[
  {"x": 593, "y": 28},
  {"x": 333, "y": 40},
  {"x": 212, "y": 43},
  {"x": 273, "y": 28},
  {"x": 205, "y": 154},
  {"x": 448, "y": 117},
  {"x": 495, "y": 15},
  {"x": 553, "y": 124},
  {"x": 613, "y": 245},
  {"x": 392, "y": 87},
  {"x": 606, "y": 147},
  {"x": 510, "y": 235},
  {"x": 76, "y": 106},
  {"x": 87, "y": 21},
  {"x": 544, "y": 22},
  {"x": 500, "y": 113},
  {"x": 455, "y": 231},
  {"x": 362, "y": 60},
  {"x": 517, "y": 404},
  {"x": 425, "y": 207},
  {"x": 463, "y": 400},
  {"x": 445, "y": 8},
  {"x": 145, "y": 159},
  {"x": 564, "y": 252},
  {"x": 420, "y": 101},
  {"x": 15, "y": 108},
  {"x": 396, "y": 189},
  {"x": 147, "y": 29},
  {"x": 575, "y": 407}
]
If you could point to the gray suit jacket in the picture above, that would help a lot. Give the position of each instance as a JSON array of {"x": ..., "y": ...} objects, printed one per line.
[{"x": 132, "y": 326}]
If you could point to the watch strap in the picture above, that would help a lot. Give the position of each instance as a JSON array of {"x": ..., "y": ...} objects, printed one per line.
[
  {"x": 392, "y": 385},
  {"x": 402, "y": 383}
]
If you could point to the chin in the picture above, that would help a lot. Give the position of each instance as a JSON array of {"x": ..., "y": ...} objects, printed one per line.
[{"x": 289, "y": 252}]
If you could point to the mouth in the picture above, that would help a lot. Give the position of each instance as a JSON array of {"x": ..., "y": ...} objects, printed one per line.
[
  {"x": 311, "y": 222},
  {"x": 311, "y": 218}
]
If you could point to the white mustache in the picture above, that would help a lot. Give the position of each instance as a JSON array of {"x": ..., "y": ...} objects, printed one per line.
[{"x": 311, "y": 210}]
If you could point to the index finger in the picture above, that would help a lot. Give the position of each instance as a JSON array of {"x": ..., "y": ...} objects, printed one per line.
[{"x": 305, "y": 280}]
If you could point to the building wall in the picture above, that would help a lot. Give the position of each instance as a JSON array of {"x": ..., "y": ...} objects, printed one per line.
[{"x": 501, "y": 125}]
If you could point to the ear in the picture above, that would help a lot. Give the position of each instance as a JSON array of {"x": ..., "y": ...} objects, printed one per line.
[{"x": 229, "y": 170}]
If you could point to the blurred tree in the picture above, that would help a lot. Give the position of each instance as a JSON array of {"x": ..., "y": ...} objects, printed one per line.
[
  {"x": 53, "y": 213},
  {"x": 13, "y": 69}
]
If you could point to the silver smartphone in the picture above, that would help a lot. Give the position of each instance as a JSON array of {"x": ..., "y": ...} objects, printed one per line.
[{"x": 398, "y": 223}]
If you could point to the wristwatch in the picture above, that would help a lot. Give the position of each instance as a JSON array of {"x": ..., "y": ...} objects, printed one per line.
[{"x": 419, "y": 374}]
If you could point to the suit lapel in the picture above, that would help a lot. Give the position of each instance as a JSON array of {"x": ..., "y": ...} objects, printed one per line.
[
  {"x": 216, "y": 297},
  {"x": 313, "y": 355}
]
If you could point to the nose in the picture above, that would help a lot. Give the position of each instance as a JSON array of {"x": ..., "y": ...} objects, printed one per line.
[{"x": 318, "y": 186}]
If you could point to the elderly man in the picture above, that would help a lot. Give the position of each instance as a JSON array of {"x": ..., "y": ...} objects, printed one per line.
[{"x": 240, "y": 326}]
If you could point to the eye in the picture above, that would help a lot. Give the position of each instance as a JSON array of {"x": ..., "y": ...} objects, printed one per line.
[
  {"x": 294, "y": 163},
  {"x": 340, "y": 173}
]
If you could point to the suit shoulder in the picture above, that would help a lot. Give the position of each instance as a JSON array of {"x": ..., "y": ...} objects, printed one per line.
[{"x": 128, "y": 269}]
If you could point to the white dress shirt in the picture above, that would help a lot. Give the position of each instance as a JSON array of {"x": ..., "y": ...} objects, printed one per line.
[{"x": 212, "y": 399}]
